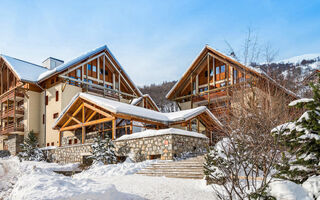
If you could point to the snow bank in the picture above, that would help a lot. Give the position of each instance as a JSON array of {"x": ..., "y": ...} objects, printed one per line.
[
  {"x": 42, "y": 184},
  {"x": 150, "y": 133},
  {"x": 121, "y": 169},
  {"x": 36, "y": 180},
  {"x": 287, "y": 190},
  {"x": 312, "y": 185}
]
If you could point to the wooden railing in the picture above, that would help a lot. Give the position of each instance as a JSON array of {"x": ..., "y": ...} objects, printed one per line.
[
  {"x": 11, "y": 128},
  {"x": 10, "y": 112}
]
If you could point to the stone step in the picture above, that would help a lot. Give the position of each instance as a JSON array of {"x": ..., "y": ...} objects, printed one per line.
[
  {"x": 173, "y": 170},
  {"x": 171, "y": 175},
  {"x": 174, "y": 167}
]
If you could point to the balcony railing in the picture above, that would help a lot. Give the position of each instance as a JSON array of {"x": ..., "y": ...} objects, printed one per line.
[
  {"x": 10, "y": 112},
  {"x": 11, "y": 128}
]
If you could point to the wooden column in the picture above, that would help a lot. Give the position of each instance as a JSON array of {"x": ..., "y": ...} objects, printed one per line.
[
  {"x": 131, "y": 126},
  {"x": 98, "y": 69},
  {"x": 208, "y": 75},
  {"x": 214, "y": 71},
  {"x": 14, "y": 110},
  {"x": 83, "y": 121},
  {"x": 113, "y": 129},
  {"x": 104, "y": 74},
  {"x": 191, "y": 91},
  {"x": 59, "y": 138}
]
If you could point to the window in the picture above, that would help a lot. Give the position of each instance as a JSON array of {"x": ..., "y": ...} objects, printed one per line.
[
  {"x": 48, "y": 144},
  {"x": 52, "y": 143},
  {"x": 43, "y": 119},
  {"x": 211, "y": 72},
  {"x": 57, "y": 79},
  {"x": 206, "y": 73},
  {"x": 217, "y": 70},
  {"x": 52, "y": 81},
  {"x": 55, "y": 115},
  {"x": 235, "y": 75},
  {"x": 78, "y": 73},
  {"x": 57, "y": 95},
  {"x": 101, "y": 71},
  {"x": 223, "y": 68},
  {"x": 89, "y": 67},
  {"x": 70, "y": 141},
  {"x": 94, "y": 68},
  {"x": 46, "y": 100},
  {"x": 75, "y": 141}
]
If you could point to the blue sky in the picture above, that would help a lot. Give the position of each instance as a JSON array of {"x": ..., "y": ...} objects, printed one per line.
[{"x": 155, "y": 41}]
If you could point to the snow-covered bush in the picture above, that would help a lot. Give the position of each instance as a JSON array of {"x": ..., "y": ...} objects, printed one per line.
[
  {"x": 302, "y": 140},
  {"x": 30, "y": 150},
  {"x": 103, "y": 151}
]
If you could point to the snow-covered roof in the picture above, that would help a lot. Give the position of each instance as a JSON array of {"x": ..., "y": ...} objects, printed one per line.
[
  {"x": 26, "y": 71},
  {"x": 71, "y": 62},
  {"x": 30, "y": 72},
  {"x": 253, "y": 70},
  {"x": 151, "y": 133},
  {"x": 117, "y": 107}
]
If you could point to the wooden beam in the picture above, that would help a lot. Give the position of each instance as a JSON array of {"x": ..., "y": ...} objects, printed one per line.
[
  {"x": 91, "y": 116},
  {"x": 74, "y": 114},
  {"x": 97, "y": 110},
  {"x": 73, "y": 118},
  {"x": 98, "y": 121}
]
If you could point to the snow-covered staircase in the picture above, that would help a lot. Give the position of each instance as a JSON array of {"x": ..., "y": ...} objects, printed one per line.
[{"x": 191, "y": 168}]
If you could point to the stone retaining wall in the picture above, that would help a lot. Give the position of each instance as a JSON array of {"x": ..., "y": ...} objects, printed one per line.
[
  {"x": 165, "y": 147},
  {"x": 69, "y": 154}
]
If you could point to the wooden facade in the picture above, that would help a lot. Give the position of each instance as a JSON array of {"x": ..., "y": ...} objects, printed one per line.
[
  {"x": 100, "y": 74},
  {"x": 211, "y": 80},
  {"x": 85, "y": 116}
]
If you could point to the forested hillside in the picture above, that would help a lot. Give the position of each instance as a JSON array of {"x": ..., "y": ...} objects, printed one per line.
[{"x": 158, "y": 93}]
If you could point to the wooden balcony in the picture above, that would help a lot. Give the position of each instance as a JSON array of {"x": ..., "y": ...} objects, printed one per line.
[
  {"x": 11, "y": 95},
  {"x": 12, "y": 129},
  {"x": 212, "y": 96},
  {"x": 11, "y": 112}
]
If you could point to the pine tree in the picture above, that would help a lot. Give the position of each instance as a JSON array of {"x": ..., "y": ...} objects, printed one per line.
[
  {"x": 302, "y": 140},
  {"x": 103, "y": 151},
  {"x": 30, "y": 150}
]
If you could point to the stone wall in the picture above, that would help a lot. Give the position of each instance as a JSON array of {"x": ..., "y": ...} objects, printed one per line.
[
  {"x": 69, "y": 154},
  {"x": 166, "y": 147},
  {"x": 13, "y": 143}
]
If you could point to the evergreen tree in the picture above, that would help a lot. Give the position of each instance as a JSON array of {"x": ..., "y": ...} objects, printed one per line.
[
  {"x": 30, "y": 150},
  {"x": 302, "y": 140},
  {"x": 103, "y": 151}
]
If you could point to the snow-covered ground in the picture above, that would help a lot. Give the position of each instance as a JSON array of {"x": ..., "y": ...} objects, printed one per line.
[{"x": 36, "y": 180}]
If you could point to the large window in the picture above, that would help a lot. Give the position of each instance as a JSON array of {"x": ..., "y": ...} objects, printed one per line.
[{"x": 78, "y": 73}]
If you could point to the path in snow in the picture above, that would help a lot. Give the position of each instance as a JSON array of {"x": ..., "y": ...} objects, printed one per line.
[{"x": 160, "y": 187}]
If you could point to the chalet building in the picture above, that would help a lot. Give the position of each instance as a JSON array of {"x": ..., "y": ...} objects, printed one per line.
[
  {"x": 68, "y": 104},
  {"x": 213, "y": 78},
  {"x": 32, "y": 96}
]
